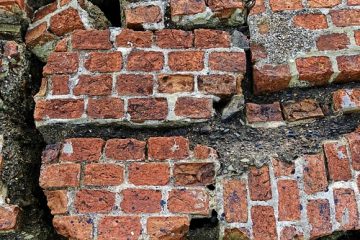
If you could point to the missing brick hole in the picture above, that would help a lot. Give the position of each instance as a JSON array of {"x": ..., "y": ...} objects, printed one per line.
[
  {"x": 211, "y": 187},
  {"x": 349, "y": 235},
  {"x": 204, "y": 228},
  {"x": 111, "y": 9}
]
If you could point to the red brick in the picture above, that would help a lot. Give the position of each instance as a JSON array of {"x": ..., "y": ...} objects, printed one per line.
[
  {"x": 217, "y": 84},
  {"x": 260, "y": 184},
  {"x": 11, "y": 49},
  {"x": 141, "y": 201},
  {"x": 112, "y": 228},
  {"x": 105, "y": 108},
  {"x": 142, "y": 14},
  {"x": 349, "y": 67},
  {"x": 236, "y": 233},
  {"x": 318, "y": 213},
  {"x": 94, "y": 201},
  {"x": 333, "y": 41},
  {"x": 346, "y": 211},
  {"x": 323, "y": 3},
  {"x": 125, "y": 149},
  {"x": 289, "y": 200},
  {"x": 346, "y": 100},
  {"x": 147, "y": 61},
  {"x": 207, "y": 38},
  {"x": 259, "y": 7},
  {"x": 256, "y": 113},
  {"x": 91, "y": 40},
  {"x": 156, "y": 174},
  {"x": 353, "y": 2},
  {"x": 307, "y": 108},
  {"x": 60, "y": 85},
  {"x": 131, "y": 38},
  {"x": 65, "y": 22},
  {"x": 194, "y": 174},
  {"x": 44, "y": 11},
  {"x": 81, "y": 149},
  {"x": 168, "y": 227},
  {"x": 280, "y": 5},
  {"x": 338, "y": 161},
  {"x": 164, "y": 148},
  {"x": 60, "y": 175},
  {"x": 134, "y": 85},
  {"x": 354, "y": 145},
  {"x": 228, "y": 61},
  {"x": 187, "y": 7},
  {"x": 57, "y": 201},
  {"x": 271, "y": 78},
  {"x": 264, "y": 225},
  {"x": 61, "y": 63},
  {"x": 142, "y": 109},
  {"x": 173, "y": 38},
  {"x": 9, "y": 215},
  {"x": 282, "y": 168},
  {"x": 74, "y": 227},
  {"x": 62, "y": 45},
  {"x": 58, "y": 109},
  {"x": 99, "y": 85},
  {"x": 344, "y": 18},
  {"x": 311, "y": 21},
  {"x": 315, "y": 179},
  {"x": 315, "y": 70},
  {"x": 219, "y": 5},
  {"x": 189, "y": 201},
  {"x": 357, "y": 37},
  {"x": 186, "y": 61},
  {"x": 195, "y": 108},
  {"x": 104, "y": 62},
  {"x": 103, "y": 175},
  {"x": 235, "y": 201},
  {"x": 175, "y": 83},
  {"x": 204, "y": 152},
  {"x": 64, "y": 2},
  {"x": 291, "y": 233}
]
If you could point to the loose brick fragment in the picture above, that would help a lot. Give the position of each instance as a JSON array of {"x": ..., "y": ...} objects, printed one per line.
[
  {"x": 263, "y": 113},
  {"x": 338, "y": 161},
  {"x": 175, "y": 83},
  {"x": 228, "y": 61},
  {"x": 259, "y": 184},
  {"x": 195, "y": 108},
  {"x": 271, "y": 78},
  {"x": 60, "y": 175},
  {"x": 346, "y": 100},
  {"x": 140, "y": 201},
  {"x": 186, "y": 61},
  {"x": 235, "y": 201},
  {"x": 125, "y": 149},
  {"x": 344, "y": 18},
  {"x": 163, "y": 148},
  {"x": 279, "y": 5},
  {"x": 51, "y": 153},
  {"x": 57, "y": 201},
  {"x": 134, "y": 85},
  {"x": 65, "y": 22},
  {"x": 104, "y": 61},
  {"x": 94, "y": 201},
  {"x": 91, "y": 40},
  {"x": 147, "y": 61},
  {"x": 154, "y": 174},
  {"x": 346, "y": 211},
  {"x": 168, "y": 227},
  {"x": 38, "y": 35},
  {"x": 9, "y": 215},
  {"x": 131, "y": 38},
  {"x": 289, "y": 200},
  {"x": 264, "y": 224},
  {"x": 311, "y": 21},
  {"x": 354, "y": 145},
  {"x": 190, "y": 201},
  {"x": 282, "y": 168},
  {"x": 315, "y": 177},
  {"x": 142, "y": 109},
  {"x": 315, "y": 70},
  {"x": 61, "y": 63},
  {"x": 349, "y": 67},
  {"x": 207, "y": 38},
  {"x": 74, "y": 227},
  {"x": 318, "y": 213},
  {"x": 142, "y": 14},
  {"x": 44, "y": 11},
  {"x": 173, "y": 38},
  {"x": 194, "y": 174},
  {"x": 119, "y": 228},
  {"x": 103, "y": 175},
  {"x": 186, "y": 7},
  {"x": 90, "y": 85},
  {"x": 333, "y": 41},
  {"x": 81, "y": 149},
  {"x": 305, "y": 109},
  {"x": 217, "y": 84}
]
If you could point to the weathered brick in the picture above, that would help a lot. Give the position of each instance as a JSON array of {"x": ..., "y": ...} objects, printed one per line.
[
  {"x": 353, "y": 2},
  {"x": 354, "y": 145},
  {"x": 186, "y": 61},
  {"x": 134, "y": 85},
  {"x": 98, "y": 85},
  {"x": 57, "y": 201},
  {"x": 357, "y": 37},
  {"x": 51, "y": 153},
  {"x": 91, "y": 40},
  {"x": 175, "y": 83},
  {"x": 280, "y": 5},
  {"x": 105, "y": 108},
  {"x": 346, "y": 211},
  {"x": 119, "y": 227},
  {"x": 307, "y": 108},
  {"x": 338, "y": 161},
  {"x": 204, "y": 152},
  {"x": 315, "y": 179},
  {"x": 156, "y": 174},
  {"x": 81, "y": 149},
  {"x": 282, "y": 168},
  {"x": 207, "y": 38},
  {"x": 346, "y": 100},
  {"x": 289, "y": 200},
  {"x": 167, "y": 227},
  {"x": 131, "y": 38},
  {"x": 58, "y": 109},
  {"x": 291, "y": 233},
  {"x": 315, "y": 70},
  {"x": 227, "y": 61},
  {"x": 59, "y": 175},
  {"x": 44, "y": 11},
  {"x": 344, "y": 18},
  {"x": 141, "y": 201},
  {"x": 74, "y": 227},
  {"x": 62, "y": 45},
  {"x": 219, "y": 5},
  {"x": 260, "y": 184},
  {"x": 217, "y": 84},
  {"x": 195, "y": 108},
  {"x": 258, "y": 52},
  {"x": 194, "y": 174},
  {"x": 271, "y": 78},
  {"x": 318, "y": 213},
  {"x": 163, "y": 148},
  {"x": 186, "y": 7},
  {"x": 259, "y": 7},
  {"x": 333, "y": 41},
  {"x": 323, "y": 3},
  {"x": 190, "y": 201},
  {"x": 236, "y": 233},
  {"x": 65, "y": 22},
  {"x": 142, "y": 14},
  {"x": 235, "y": 201},
  {"x": 9, "y": 216},
  {"x": 125, "y": 149},
  {"x": 61, "y": 63},
  {"x": 94, "y": 201},
  {"x": 311, "y": 21},
  {"x": 147, "y": 61},
  {"x": 60, "y": 84},
  {"x": 104, "y": 62},
  {"x": 103, "y": 175},
  {"x": 349, "y": 67},
  {"x": 173, "y": 38},
  {"x": 263, "y": 113},
  {"x": 264, "y": 224},
  {"x": 142, "y": 109}
]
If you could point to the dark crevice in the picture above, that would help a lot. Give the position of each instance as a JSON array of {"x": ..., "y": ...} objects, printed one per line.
[
  {"x": 348, "y": 235},
  {"x": 204, "y": 228},
  {"x": 111, "y": 9}
]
